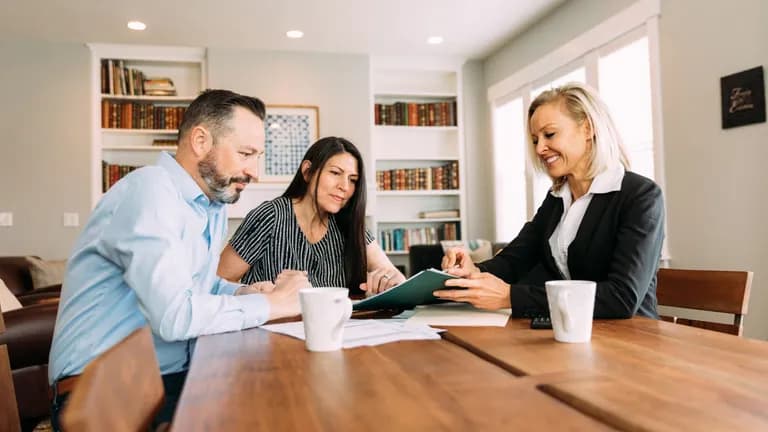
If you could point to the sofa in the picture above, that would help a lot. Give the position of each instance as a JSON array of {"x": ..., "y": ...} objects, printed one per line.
[{"x": 28, "y": 335}]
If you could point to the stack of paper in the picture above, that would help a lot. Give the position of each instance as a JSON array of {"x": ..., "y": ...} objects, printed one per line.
[
  {"x": 366, "y": 332},
  {"x": 458, "y": 314}
]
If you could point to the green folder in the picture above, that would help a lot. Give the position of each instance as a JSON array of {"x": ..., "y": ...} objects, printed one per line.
[{"x": 416, "y": 290}]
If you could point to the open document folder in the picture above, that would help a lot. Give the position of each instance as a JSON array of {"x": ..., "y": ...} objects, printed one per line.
[{"x": 415, "y": 291}]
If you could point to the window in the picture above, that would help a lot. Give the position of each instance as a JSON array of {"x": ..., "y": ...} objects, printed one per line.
[
  {"x": 625, "y": 86},
  {"x": 509, "y": 167}
]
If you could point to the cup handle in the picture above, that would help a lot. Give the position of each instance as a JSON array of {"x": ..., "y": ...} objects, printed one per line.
[
  {"x": 346, "y": 313},
  {"x": 562, "y": 301}
]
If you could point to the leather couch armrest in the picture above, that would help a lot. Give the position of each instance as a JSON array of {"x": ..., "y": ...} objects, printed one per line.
[
  {"x": 42, "y": 295},
  {"x": 28, "y": 334}
]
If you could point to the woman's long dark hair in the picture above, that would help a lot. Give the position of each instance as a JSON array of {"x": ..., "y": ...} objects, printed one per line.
[{"x": 351, "y": 217}]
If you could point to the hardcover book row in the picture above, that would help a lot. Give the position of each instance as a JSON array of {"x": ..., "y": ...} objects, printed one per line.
[
  {"x": 415, "y": 114},
  {"x": 401, "y": 239},
  {"x": 135, "y": 115},
  {"x": 429, "y": 178}
]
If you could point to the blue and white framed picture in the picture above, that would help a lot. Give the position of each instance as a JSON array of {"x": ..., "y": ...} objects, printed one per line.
[{"x": 290, "y": 130}]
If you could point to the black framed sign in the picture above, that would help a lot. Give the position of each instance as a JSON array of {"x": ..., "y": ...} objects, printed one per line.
[{"x": 743, "y": 98}]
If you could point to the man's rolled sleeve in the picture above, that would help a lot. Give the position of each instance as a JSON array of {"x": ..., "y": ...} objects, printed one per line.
[{"x": 225, "y": 287}]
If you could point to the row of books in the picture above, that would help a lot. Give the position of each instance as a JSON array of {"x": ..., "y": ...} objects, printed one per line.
[
  {"x": 401, "y": 239},
  {"x": 140, "y": 115},
  {"x": 117, "y": 79},
  {"x": 429, "y": 178},
  {"x": 415, "y": 114},
  {"x": 111, "y": 173}
]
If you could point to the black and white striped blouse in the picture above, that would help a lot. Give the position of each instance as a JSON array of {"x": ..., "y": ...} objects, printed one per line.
[{"x": 270, "y": 240}]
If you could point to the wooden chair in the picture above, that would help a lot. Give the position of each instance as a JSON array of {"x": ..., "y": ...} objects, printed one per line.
[
  {"x": 119, "y": 391},
  {"x": 706, "y": 290},
  {"x": 9, "y": 414}
]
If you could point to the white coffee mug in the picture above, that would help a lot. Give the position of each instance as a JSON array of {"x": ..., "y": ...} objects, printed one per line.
[
  {"x": 571, "y": 305},
  {"x": 324, "y": 312}
]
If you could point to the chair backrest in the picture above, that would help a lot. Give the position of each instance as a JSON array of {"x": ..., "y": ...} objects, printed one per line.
[
  {"x": 707, "y": 290},
  {"x": 9, "y": 414},
  {"x": 422, "y": 257},
  {"x": 120, "y": 391}
]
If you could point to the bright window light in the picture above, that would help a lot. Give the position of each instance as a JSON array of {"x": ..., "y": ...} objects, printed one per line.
[
  {"x": 136, "y": 25},
  {"x": 294, "y": 34},
  {"x": 435, "y": 40}
]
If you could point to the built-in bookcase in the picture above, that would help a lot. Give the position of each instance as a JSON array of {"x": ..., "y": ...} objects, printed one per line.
[
  {"x": 129, "y": 126},
  {"x": 417, "y": 147}
]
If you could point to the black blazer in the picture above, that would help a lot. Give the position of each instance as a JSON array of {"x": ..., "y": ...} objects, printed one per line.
[{"x": 617, "y": 245}]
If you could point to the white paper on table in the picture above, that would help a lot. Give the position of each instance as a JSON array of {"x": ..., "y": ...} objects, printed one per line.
[
  {"x": 458, "y": 314},
  {"x": 365, "y": 332}
]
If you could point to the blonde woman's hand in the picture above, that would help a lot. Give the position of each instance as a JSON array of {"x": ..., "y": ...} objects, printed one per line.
[
  {"x": 483, "y": 290},
  {"x": 457, "y": 262}
]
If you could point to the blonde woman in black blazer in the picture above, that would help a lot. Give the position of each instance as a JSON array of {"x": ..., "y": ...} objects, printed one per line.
[{"x": 600, "y": 221}]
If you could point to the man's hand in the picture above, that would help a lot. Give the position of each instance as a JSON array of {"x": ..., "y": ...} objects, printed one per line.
[
  {"x": 284, "y": 298},
  {"x": 458, "y": 263},
  {"x": 381, "y": 280}
]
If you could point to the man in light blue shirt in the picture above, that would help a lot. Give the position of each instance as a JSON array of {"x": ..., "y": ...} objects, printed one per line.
[{"x": 149, "y": 252}]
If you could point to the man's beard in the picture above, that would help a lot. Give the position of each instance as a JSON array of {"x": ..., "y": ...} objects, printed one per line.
[{"x": 217, "y": 183}]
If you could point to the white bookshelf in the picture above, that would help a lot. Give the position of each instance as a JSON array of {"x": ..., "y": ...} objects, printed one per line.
[
  {"x": 186, "y": 66},
  {"x": 420, "y": 81}
]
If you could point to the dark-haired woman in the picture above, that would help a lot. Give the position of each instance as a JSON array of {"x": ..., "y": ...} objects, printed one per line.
[{"x": 317, "y": 225}]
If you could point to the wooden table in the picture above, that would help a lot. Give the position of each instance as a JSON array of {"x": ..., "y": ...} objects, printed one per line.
[
  {"x": 639, "y": 374},
  {"x": 256, "y": 380}
]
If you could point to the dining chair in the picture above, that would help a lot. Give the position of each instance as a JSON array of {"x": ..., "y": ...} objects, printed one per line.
[
  {"x": 706, "y": 290},
  {"x": 120, "y": 391}
]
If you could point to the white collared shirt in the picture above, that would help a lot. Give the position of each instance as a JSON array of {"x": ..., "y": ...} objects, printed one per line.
[{"x": 573, "y": 213}]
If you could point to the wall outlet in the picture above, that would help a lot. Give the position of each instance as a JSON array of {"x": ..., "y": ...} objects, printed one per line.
[
  {"x": 71, "y": 219},
  {"x": 6, "y": 219}
]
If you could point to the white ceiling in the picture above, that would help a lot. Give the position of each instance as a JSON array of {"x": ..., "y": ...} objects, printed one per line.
[{"x": 471, "y": 28}]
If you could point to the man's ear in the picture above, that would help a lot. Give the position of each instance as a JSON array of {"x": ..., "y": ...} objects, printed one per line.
[
  {"x": 201, "y": 141},
  {"x": 305, "y": 165}
]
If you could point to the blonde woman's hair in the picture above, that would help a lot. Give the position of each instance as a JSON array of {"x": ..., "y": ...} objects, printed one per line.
[{"x": 582, "y": 103}]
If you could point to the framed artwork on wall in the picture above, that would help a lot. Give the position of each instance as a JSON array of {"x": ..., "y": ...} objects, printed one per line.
[
  {"x": 743, "y": 98},
  {"x": 289, "y": 130}
]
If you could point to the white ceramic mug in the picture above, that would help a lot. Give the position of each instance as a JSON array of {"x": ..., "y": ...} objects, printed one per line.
[
  {"x": 571, "y": 305},
  {"x": 324, "y": 312}
]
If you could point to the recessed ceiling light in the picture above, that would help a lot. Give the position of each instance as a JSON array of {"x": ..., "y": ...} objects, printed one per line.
[
  {"x": 136, "y": 25},
  {"x": 294, "y": 34},
  {"x": 435, "y": 40}
]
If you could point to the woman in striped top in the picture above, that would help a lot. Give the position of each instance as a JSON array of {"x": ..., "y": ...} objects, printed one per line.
[{"x": 317, "y": 225}]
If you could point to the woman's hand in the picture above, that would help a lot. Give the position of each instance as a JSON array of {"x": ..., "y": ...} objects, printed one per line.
[
  {"x": 381, "y": 280},
  {"x": 256, "y": 288},
  {"x": 458, "y": 263},
  {"x": 483, "y": 290}
]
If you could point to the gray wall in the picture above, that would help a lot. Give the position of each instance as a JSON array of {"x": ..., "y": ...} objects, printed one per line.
[
  {"x": 478, "y": 149},
  {"x": 573, "y": 18},
  {"x": 45, "y": 145},
  {"x": 715, "y": 178}
]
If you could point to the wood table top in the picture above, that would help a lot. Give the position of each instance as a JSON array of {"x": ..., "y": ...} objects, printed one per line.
[
  {"x": 638, "y": 374},
  {"x": 257, "y": 380}
]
